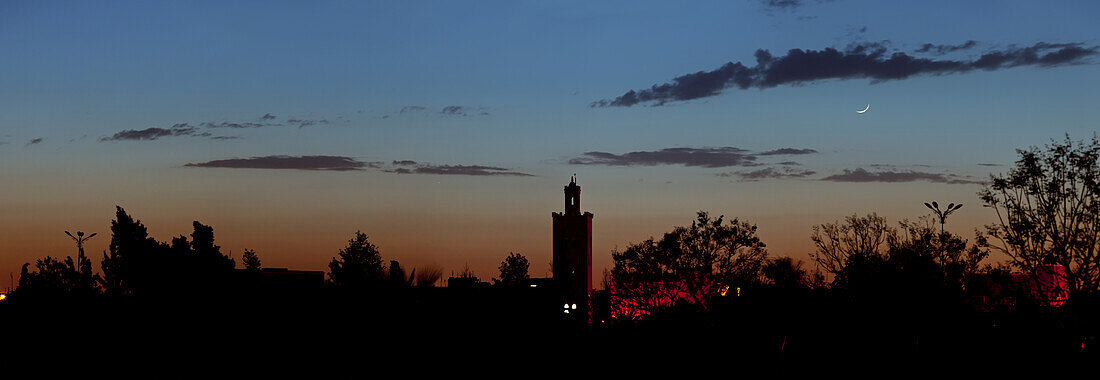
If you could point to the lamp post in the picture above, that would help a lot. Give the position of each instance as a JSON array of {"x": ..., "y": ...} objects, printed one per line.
[
  {"x": 80, "y": 239},
  {"x": 942, "y": 215}
]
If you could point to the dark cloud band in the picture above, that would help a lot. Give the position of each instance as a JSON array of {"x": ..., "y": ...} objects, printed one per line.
[
  {"x": 471, "y": 170},
  {"x": 700, "y": 157},
  {"x": 865, "y": 61},
  {"x": 768, "y": 173},
  {"x": 333, "y": 163},
  {"x": 890, "y": 176},
  {"x": 154, "y": 133}
]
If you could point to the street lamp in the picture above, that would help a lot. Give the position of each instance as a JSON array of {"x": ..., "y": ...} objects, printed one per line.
[
  {"x": 80, "y": 239},
  {"x": 942, "y": 215}
]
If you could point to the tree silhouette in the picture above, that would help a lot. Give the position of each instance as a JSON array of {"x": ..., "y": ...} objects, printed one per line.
[
  {"x": 1048, "y": 211},
  {"x": 358, "y": 265},
  {"x": 785, "y": 273},
  {"x": 688, "y": 264},
  {"x": 871, "y": 260},
  {"x": 132, "y": 262},
  {"x": 207, "y": 255},
  {"x": 859, "y": 239},
  {"x": 54, "y": 278},
  {"x": 397, "y": 276},
  {"x": 250, "y": 260},
  {"x": 137, "y": 264},
  {"x": 513, "y": 270}
]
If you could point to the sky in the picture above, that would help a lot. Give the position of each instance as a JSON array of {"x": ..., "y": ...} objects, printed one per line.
[{"x": 446, "y": 130}]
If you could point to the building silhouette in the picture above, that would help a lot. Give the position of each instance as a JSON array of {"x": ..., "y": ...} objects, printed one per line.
[{"x": 573, "y": 253}]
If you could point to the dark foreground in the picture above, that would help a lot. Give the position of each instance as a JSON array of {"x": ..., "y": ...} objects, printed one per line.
[{"x": 471, "y": 322}]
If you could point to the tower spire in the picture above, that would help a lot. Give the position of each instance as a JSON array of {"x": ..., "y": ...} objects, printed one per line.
[{"x": 573, "y": 197}]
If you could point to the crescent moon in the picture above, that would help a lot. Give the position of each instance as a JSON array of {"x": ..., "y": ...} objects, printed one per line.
[{"x": 865, "y": 109}]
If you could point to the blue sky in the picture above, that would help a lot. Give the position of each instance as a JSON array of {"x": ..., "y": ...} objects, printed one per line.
[{"x": 525, "y": 74}]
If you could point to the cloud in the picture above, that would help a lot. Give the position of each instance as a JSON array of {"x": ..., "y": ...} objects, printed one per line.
[
  {"x": 264, "y": 121},
  {"x": 701, "y": 157},
  {"x": 768, "y": 173},
  {"x": 787, "y": 151},
  {"x": 984, "y": 164},
  {"x": 944, "y": 49},
  {"x": 453, "y": 110},
  {"x": 891, "y": 176},
  {"x": 154, "y": 133},
  {"x": 781, "y": 4},
  {"x": 35, "y": 141},
  {"x": 445, "y": 111},
  {"x": 234, "y": 125},
  {"x": 404, "y": 162},
  {"x": 473, "y": 170},
  {"x": 306, "y": 122},
  {"x": 769, "y": 7},
  {"x": 463, "y": 111},
  {"x": 225, "y": 137},
  {"x": 861, "y": 61},
  {"x": 331, "y": 163}
]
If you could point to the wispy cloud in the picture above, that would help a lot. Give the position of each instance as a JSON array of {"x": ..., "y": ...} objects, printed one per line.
[
  {"x": 787, "y": 151},
  {"x": 236, "y": 125},
  {"x": 861, "y": 61},
  {"x": 892, "y": 176},
  {"x": 301, "y": 123},
  {"x": 154, "y": 133},
  {"x": 330, "y": 163},
  {"x": 767, "y": 173},
  {"x": 944, "y": 49},
  {"x": 411, "y": 109},
  {"x": 35, "y": 141},
  {"x": 700, "y": 157},
  {"x": 781, "y": 4},
  {"x": 187, "y": 129},
  {"x": 470, "y": 170}
]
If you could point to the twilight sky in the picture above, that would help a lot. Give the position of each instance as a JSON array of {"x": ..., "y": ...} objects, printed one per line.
[{"x": 446, "y": 130}]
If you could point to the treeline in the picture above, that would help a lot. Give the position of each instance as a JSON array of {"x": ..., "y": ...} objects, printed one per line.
[
  {"x": 862, "y": 257},
  {"x": 1048, "y": 226},
  {"x": 139, "y": 265},
  {"x": 136, "y": 264}
]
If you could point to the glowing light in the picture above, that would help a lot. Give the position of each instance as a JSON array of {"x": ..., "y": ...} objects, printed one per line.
[
  {"x": 3, "y": 296},
  {"x": 574, "y": 306},
  {"x": 566, "y": 306},
  {"x": 738, "y": 291},
  {"x": 567, "y": 312},
  {"x": 534, "y": 286},
  {"x": 722, "y": 292}
]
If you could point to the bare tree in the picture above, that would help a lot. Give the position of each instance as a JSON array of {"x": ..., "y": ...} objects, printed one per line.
[
  {"x": 838, "y": 242},
  {"x": 1048, "y": 211}
]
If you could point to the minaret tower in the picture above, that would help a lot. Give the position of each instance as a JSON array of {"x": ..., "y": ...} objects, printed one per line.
[{"x": 573, "y": 253}]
